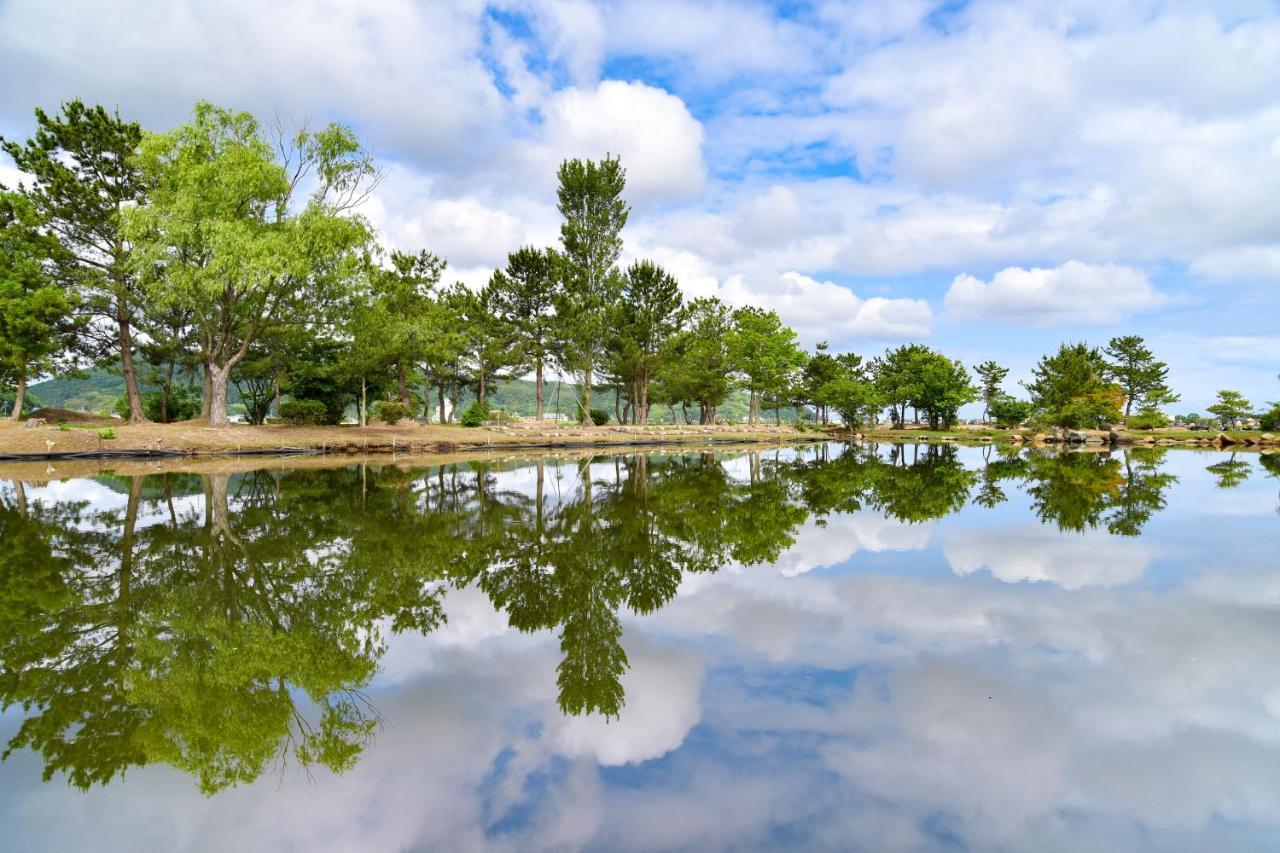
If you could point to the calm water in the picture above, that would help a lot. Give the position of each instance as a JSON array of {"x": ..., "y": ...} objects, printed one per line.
[{"x": 891, "y": 648}]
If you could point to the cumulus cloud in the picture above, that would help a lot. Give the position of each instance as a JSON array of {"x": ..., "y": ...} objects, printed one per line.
[
  {"x": 1072, "y": 293},
  {"x": 1035, "y": 552},
  {"x": 824, "y": 309},
  {"x": 1243, "y": 265},
  {"x": 659, "y": 142}
]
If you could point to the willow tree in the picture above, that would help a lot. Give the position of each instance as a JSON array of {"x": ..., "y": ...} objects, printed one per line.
[
  {"x": 590, "y": 200},
  {"x": 224, "y": 235},
  {"x": 82, "y": 178}
]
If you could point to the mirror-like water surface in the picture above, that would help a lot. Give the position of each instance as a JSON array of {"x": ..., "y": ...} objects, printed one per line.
[{"x": 828, "y": 647}]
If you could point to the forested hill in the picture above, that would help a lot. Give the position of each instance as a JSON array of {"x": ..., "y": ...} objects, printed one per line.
[{"x": 98, "y": 391}]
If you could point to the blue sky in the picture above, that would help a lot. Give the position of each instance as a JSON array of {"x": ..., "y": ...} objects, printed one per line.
[{"x": 991, "y": 178}]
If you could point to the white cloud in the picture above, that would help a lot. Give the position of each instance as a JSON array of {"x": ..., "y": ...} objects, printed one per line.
[
  {"x": 1072, "y": 293},
  {"x": 818, "y": 309},
  {"x": 1036, "y": 552},
  {"x": 1243, "y": 265},
  {"x": 659, "y": 142}
]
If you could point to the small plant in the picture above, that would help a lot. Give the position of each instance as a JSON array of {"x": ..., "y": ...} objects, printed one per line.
[
  {"x": 106, "y": 434},
  {"x": 599, "y": 417},
  {"x": 303, "y": 412},
  {"x": 390, "y": 411},
  {"x": 475, "y": 415},
  {"x": 64, "y": 428}
]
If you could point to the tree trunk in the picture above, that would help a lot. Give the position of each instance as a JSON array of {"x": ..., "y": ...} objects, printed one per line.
[
  {"x": 586, "y": 392},
  {"x": 538, "y": 385},
  {"x": 20, "y": 395},
  {"x": 167, "y": 391},
  {"x": 684, "y": 410},
  {"x": 777, "y": 414},
  {"x": 481, "y": 388},
  {"x": 363, "y": 404},
  {"x": 206, "y": 398},
  {"x": 136, "y": 415},
  {"x": 453, "y": 402},
  {"x": 440, "y": 389},
  {"x": 402, "y": 387},
  {"x": 218, "y": 377},
  {"x": 617, "y": 403}
]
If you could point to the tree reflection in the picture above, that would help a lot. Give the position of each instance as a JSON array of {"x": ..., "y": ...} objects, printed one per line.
[
  {"x": 1230, "y": 472},
  {"x": 229, "y": 623}
]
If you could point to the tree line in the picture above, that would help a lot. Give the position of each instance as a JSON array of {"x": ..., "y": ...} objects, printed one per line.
[{"x": 227, "y": 252}]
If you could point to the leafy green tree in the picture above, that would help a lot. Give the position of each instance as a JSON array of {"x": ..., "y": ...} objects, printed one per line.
[
  {"x": 84, "y": 176},
  {"x": 34, "y": 307},
  {"x": 696, "y": 366},
  {"x": 820, "y": 371},
  {"x": 648, "y": 314},
  {"x": 221, "y": 236},
  {"x": 590, "y": 200},
  {"x": 524, "y": 298},
  {"x": 943, "y": 387},
  {"x": 1008, "y": 411},
  {"x": 1070, "y": 388},
  {"x": 897, "y": 379},
  {"x": 991, "y": 376},
  {"x": 405, "y": 316},
  {"x": 489, "y": 350},
  {"x": 1143, "y": 380},
  {"x": 1230, "y": 408},
  {"x": 766, "y": 353}
]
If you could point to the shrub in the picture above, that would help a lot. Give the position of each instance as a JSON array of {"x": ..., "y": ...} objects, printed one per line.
[
  {"x": 1270, "y": 421},
  {"x": 599, "y": 417},
  {"x": 1008, "y": 412},
  {"x": 303, "y": 412},
  {"x": 64, "y": 428},
  {"x": 390, "y": 411},
  {"x": 106, "y": 434},
  {"x": 1148, "y": 419},
  {"x": 475, "y": 415}
]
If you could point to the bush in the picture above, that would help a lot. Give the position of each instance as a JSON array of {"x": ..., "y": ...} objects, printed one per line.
[
  {"x": 1148, "y": 419},
  {"x": 599, "y": 417},
  {"x": 1008, "y": 412},
  {"x": 1270, "y": 421},
  {"x": 106, "y": 434},
  {"x": 475, "y": 415},
  {"x": 304, "y": 412},
  {"x": 390, "y": 411}
]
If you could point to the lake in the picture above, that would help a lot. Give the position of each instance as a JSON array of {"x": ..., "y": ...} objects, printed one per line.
[{"x": 892, "y": 647}]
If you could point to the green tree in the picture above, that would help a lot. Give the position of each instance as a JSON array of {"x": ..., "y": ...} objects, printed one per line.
[
  {"x": 897, "y": 379},
  {"x": 943, "y": 387},
  {"x": 991, "y": 376},
  {"x": 590, "y": 200},
  {"x": 524, "y": 297},
  {"x": 1230, "y": 408},
  {"x": 34, "y": 307},
  {"x": 648, "y": 314},
  {"x": 820, "y": 370},
  {"x": 696, "y": 367},
  {"x": 84, "y": 176},
  {"x": 1070, "y": 388},
  {"x": 220, "y": 233},
  {"x": 765, "y": 352},
  {"x": 1142, "y": 379}
]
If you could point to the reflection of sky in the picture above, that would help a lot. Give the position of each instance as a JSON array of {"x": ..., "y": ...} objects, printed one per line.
[{"x": 977, "y": 682}]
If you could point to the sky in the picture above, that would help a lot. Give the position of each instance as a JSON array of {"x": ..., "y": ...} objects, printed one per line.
[{"x": 989, "y": 178}]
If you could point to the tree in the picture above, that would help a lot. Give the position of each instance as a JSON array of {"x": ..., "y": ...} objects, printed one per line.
[
  {"x": 897, "y": 379},
  {"x": 648, "y": 315},
  {"x": 1230, "y": 408},
  {"x": 992, "y": 375},
  {"x": 1008, "y": 411},
  {"x": 524, "y": 297},
  {"x": 1070, "y": 388},
  {"x": 590, "y": 200},
  {"x": 408, "y": 316},
  {"x": 1143, "y": 380},
  {"x": 84, "y": 177},
  {"x": 34, "y": 308},
  {"x": 820, "y": 370},
  {"x": 765, "y": 352},
  {"x": 220, "y": 234},
  {"x": 695, "y": 367},
  {"x": 943, "y": 387}
]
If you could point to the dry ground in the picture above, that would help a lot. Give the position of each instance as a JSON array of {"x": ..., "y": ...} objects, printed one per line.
[{"x": 196, "y": 437}]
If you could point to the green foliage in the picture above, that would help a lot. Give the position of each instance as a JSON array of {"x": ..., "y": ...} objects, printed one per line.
[
  {"x": 475, "y": 415},
  {"x": 106, "y": 434},
  {"x": 599, "y": 417},
  {"x": 646, "y": 317},
  {"x": 916, "y": 376},
  {"x": 991, "y": 376},
  {"x": 301, "y": 412},
  {"x": 183, "y": 404},
  {"x": 1270, "y": 420},
  {"x": 1142, "y": 379},
  {"x": 1009, "y": 412},
  {"x": 1149, "y": 417},
  {"x": 1070, "y": 389},
  {"x": 765, "y": 353},
  {"x": 1230, "y": 408},
  {"x": 390, "y": 411},
  {"x": 64, "y": 428}
]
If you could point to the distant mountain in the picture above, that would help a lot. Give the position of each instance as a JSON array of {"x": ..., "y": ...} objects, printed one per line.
[{"x": 98, "y": 391}]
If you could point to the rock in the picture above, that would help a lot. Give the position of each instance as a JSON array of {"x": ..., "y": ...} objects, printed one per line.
[
  {"x": 1266, "y": 438},
  {"x": 1017, "y": 438},
  {"x": 1120, "y": 437},
  {"x": 1040, "y": 438},
  {"x": 1075, "y": 436},
  {"x": 34, "y": 423},
  {"x": 1224, "y": 440},
  {"x": 1166, "y": 442}
]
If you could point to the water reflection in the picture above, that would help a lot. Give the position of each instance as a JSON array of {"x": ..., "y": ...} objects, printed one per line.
[{"x": 229, "y": 624}]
